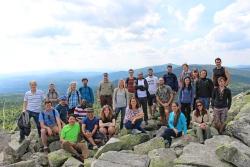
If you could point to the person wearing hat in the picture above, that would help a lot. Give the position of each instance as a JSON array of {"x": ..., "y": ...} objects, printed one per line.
[
  {"x": 89, "y": 127},
  {"x": 105, "y": 91},
  {"x": 52, "y": 95},
  {"x": 87, "y": 93},
  {"x": 63, "y": 109}
]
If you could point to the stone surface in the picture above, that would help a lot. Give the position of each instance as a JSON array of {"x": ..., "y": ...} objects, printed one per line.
[
  {"x": 57, "y": 158},
  {"x": 144, "y": 148},
  {"x": 54, "y": 146},
  {"x": 130, "y": 140},
  {"x": 72, "y": 162},
  {"x": 152, "y": 125},
  {"x": 160, "y": 131},
  {"x": 30, "y": 163},
  {"x": 87, "y": 162},
  {"x": 161, "y": 157}
]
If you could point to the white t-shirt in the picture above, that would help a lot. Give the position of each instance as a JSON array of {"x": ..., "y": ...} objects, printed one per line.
[
  {"x": 152, "y": 84},
  {"x": 139, "y": 92},
  {"x": 34, "y": 101}
]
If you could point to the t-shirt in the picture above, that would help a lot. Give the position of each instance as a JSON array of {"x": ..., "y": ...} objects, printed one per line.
[
  {"x": 63, "y": 111},
  {"x": 120, "y": 98},
  {"x": 130, "y": 113},
  {"x": 34, "y": 101},
  {"x": 71, "y": 132},
  {"x": 80, "y": 111},
  {"x": 163, "y": 92},
  {"x": 139, "y": 92},
  {"x": 106, "y": 120},
  {"x": 90, "y": 124},
  {"x": 152, "y": 84},
  {"x": 49, "y": 118},
  {"x": 131, "y": 84}
]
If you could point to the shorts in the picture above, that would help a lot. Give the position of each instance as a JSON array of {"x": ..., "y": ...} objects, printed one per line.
[
  {"x": 151, "y": 100},
  {"x": 220, "y": 115}
]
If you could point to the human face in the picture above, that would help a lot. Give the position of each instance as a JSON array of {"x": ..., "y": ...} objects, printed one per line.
[
  {"x": 48, "y": 106},
  {"x": 73, "y": 86},
  {"x": 187, "y": 81},
  {"x": 140, "y": 76},
  {"x": 106, "y": 111},
  {"x": 199, "y": 106},
  {"x": 221, "y": 82},
  {"x": 169, "y": 70},
  {"x": 90, "y": 115},
  {"x": 161, "y": 81},
  {"x": 218, "y": 63},
  {"x": 105, "y": 78},
  {"x": 203, "y": 74},
  {"x": 85, "y": 82},
  {"x": 63, "y": 102},
  {"x": 131, "y": 73},
  {"x": 185, "y": 68},
  {"x": 33, "y": 86},
  {"x": 51, "y": 86},
  {"x": 121, "y": 84},
  {"x": 133, "y": 103},
  {"x": 150, "y": 72},
  {"x": 174, "y": 107},
  {"x": 72, "y": 120}
]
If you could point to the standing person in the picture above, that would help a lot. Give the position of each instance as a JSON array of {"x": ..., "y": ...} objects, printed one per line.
[
  {"x": 130, "y": 83},
  {"x": 153, "y": 84},
  {"x": 32, "y": 104},
  {"x": 221, "y": 103},
  {"x": 50, "y": 124},
  {"x": 186, "y": 99},
  {"x": 105, "y": 91},
  {"x": 63, "y": 109},
  {"x": 120, "y": 101},
  {"x": 201, "y": 122},
  {"x": 164, "y": 97},
  {"x": 220, "y": 71},
  {"x": 171, "y": 80},
  {"x": 134, "y": 116},
  {"x": 52, "y": 95},
  {"x": 177, "y": 125},
  {"x": 194, "y": 80},
  {"x": 87, "y": 93},
  {"x": 141, "y": 94},
  {"x": 107, "y": 122},
  {"x": 74, "y": 98},
  {"x": 204, "y": 88},
  {"x": 69, "y": 138},
  {"x": 185, "y": 73}
]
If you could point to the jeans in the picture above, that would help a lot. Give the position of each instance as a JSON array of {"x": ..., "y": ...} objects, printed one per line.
[
  {"x": 169, "y": 133},
  {"x": 206, "y": 101},
  {"x": 186, "y": 110},
  {"x": 144, "y": 103},
  {"x": 117, "y": 111},
  {"x": 137, "y": 125}
]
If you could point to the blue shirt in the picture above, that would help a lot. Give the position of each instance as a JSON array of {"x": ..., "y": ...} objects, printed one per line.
[
  {"x": 87, "y": 94},
  {"x": 181, "y": 125},
  {"x": 48, "y": 118},
  {"x": 186, "y": 96},
  {"x": 90, "y": 124},
  {"x": 63, "y": 111},
  {"x": 73, "y": 99}
]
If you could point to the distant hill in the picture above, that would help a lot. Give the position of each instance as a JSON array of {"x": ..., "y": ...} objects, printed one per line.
[{"x": 19, "y": 84}]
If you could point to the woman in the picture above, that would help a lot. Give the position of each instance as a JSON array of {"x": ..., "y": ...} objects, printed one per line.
[
  {"x": 185, "y": 73},
  {"x": 177, "y": 124},
  {"x": 194, "y": 80},
  {"x": 201, "y": 122},
  {"x": 120, "y": 101},
  {"x": 52, "y": 95},
  {"x": 134, "y": 116},
  {"x": 74, "y": 98},
  {"x": 186, "y": 98},
  {"x": 107, "y": 122}
]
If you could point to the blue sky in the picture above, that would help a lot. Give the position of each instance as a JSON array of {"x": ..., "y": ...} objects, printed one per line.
[{"x": 52, "y": 35}]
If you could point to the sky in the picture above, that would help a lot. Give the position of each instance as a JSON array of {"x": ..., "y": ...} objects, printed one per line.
[{"x": 91, "y": 35}]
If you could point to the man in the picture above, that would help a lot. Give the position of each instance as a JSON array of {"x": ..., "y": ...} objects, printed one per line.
[
  {"x": 204, "y": 88},
  {"x": 171, "y": 80},
  {"x": 89, "y": 127},
  {"x": 130, "y": 83},
  {"x": 141, "y": 93},
  {"x": 50, "y": 124},
  {"x": 32, "y": 104},
  {"x": 105, "y": 91},
  {"x": 80, "y": 111},
  {"x": 220, "y": 71},
  {"x": 153, "y": 84},
  {"x": 87, "y": 93},
  {"x": 221, "y": 103},
  {"x": 52, "y": 95},
  {"x": 164, "y": 98},
  {"x": 69, "y": 139},
  {"x": 63, "y": 109}
]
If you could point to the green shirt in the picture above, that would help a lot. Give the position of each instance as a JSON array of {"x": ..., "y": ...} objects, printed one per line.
[{"x": 70, "y": 133}]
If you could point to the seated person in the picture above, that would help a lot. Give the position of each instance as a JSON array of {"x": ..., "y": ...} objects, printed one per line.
[
  {"x": 50, "y": 124},
  {"x": 201, "y": 122},
  {"x": 69, "y": 139},
  {"x": 63, "y": 109},
  {"x": 134, "y": 116},
  {"x": 89, "y": 128},
  {"x": 177, "y": 125},
  {"x": 107, "y": 122},
  {"x": 80, "y": 112}
]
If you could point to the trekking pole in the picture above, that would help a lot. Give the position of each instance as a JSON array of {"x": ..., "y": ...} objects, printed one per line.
[{"x": 3, "y": 113}]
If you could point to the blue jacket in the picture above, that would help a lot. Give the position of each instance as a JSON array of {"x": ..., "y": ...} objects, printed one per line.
[
  {"x": 170, "y": 79},
  {"x": 87, "y": 94},
  {"x": 181, "y": 125}
]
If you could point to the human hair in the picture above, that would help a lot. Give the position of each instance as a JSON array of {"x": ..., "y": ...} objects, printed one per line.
[
  {"x": 177, "y": 115},
  {"x": 32, "y": 82},
  {"x": 221, "y": 78},
  {"x": 137, "y": 102},
  {"x": 121, "y": 81},
  {"x": 204, "y": 70},
  {"x": 47, "y": 102},
  {"x": 110, "y": 115},
  {"x": 150, "y": 69},
  {"x": 130, "y": 70},
  {"x": 70, "y": 86},
  {"x": 85, "y": 79},
  {"x": 185, "y": 64},
  {"x": 184, "y": 85},
  {"x": 197, "y": 111},
  {"x": 198, "y": 74},
  {"x": 72, "y": 115},
  {"x": 217, "y": 59}
]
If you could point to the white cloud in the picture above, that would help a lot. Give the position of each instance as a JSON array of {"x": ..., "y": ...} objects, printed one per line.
[{"x": 193, "y": 16}]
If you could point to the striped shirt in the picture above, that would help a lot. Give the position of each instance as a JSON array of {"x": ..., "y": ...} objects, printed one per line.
[
  {"x": 73, "y": 99},
  {"x": 130, "y": 114},
  {"x": 34, "y": 101},
  {"x": 80, "y": 112}
]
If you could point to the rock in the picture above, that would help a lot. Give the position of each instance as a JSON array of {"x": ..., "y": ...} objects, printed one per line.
[
  {"x": 152, "y": 125},
  {"x": 54, "y": 146},
  {"x": 7, "y": 157},
  {"x": 160, "y": 131},
  {"x": 161, "y": 157},
  {"x": 92, "y": 153},
  {"x": 53, "y": 138},
  {"x": 130, "y": 140},
  {"x": 214, "y": 131},
  {"x": 113, "y": 144},
  {"x": 144, "y": 148},
  {"x": 26, "y": 156},
  {"x": 235, "y": 153},
  {"x": 124, "y": 132},
  {"x": 152, "y": 133},
  {"x": 40, "y": 158},
  {"x": 72, "y": 162},
  {"x": 57, "y": 158},
  {"x": 87, "y": 162},
  {"x": 115, "y": 159},
  {"x": 30, "y": 163}
]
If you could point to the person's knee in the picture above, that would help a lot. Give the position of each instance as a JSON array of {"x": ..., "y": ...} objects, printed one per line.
[
  {"x": 43, "y": 132},
  {"x": 111, "y": 130},
  {"x": 103, "y": 130}
]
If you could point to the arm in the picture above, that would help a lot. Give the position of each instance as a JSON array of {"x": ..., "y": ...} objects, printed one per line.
[
  {"x": 180, "y": 97},
  {"x": 94, "y": 130},
  {"x": 194, "y": 120},
  {"x": 113, "y": 123},
  {"x": 229, "y": 99},
  {"x": 176, "y": 86},
  {"x": 25, "y": 103},
  {"x": 171, "y": 98},
  {"x": 211, "y": 87},
  {"x": 101, "y": 124},
  {"x": 184, "y": 122},
  {"x": 213, "y": 98},
  {"x": 92, "y": 96},
  {"x": 159, "y": 101},
  {"x": 228, "y": 77},
  {"x": 58, "y": 121},
  {"x": 171, "y": 121},
  {"x": 114, "y": 98},
  {"x": 62, "y": 136}
]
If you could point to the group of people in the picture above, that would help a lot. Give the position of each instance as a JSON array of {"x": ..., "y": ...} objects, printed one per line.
[{"x": 72, "y": 115}]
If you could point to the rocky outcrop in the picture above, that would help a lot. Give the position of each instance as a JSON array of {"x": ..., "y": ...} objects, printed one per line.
[
  {"x": 162, "y": 157},
  {"x": 57, "y": 158},
  {"x": 144, "y": 148},
  {"x": 130, "y": 140}
]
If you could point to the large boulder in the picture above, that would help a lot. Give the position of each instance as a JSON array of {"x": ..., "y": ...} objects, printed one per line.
[
  {"x": 29, "y": 163},
  {"x": 160, "y": 131},
  {"x": 88, "y": 162},
  {"x": 144, "y": 148},
  {"x": 57, "y": 158},
  {"x": 131, "y": 140},
  {"x": 54, "y": 146},
  {"x": 72, "y": 162},
  {"x": 113, "y": 144},
  {"x": 115, "y": 159},
  {"x": 152, "y": 125},
  {"x": 162, "y": 157}
]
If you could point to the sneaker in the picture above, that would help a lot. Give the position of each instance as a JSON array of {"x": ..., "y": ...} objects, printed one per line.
[
  {"x": 135, "y": 131},
  {"x": 95, "y": 147}
]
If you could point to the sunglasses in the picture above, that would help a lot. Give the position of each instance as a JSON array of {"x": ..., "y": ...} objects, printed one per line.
[{"x": 199, "y": 105}]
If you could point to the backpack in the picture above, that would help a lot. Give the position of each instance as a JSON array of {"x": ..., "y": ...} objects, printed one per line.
[
  {"x": 23, "y": 123},
  {"x": 78, "y": 96},
  {"x": 54, "y": 114}
]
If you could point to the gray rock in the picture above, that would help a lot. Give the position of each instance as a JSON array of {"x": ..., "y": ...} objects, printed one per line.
[
  {"x": 115, "y": 159},
  {"x": 40, "y": 158},
  {"x": 160, "y": 131},
  {"x": 26, "y": 156},
  {"x": 130, "y": 140},
  {"x": 214, "y": 131},
  {"x": 57, "y": 158},
  {"x": 161, "y": 157},
  {"x": 87, "y": 162},
  {"x": 72, "y": 162},
  {"x": 30, "y": 163},
  {"x": 144, "y": 148},
  {"x": 152, "y": 125},
  {"x": 54, "y": 146},
  {"x": 113, "y": 144}
]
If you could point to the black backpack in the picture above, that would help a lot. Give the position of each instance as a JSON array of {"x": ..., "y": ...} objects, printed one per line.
[{"x": 23, "y": 123}]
